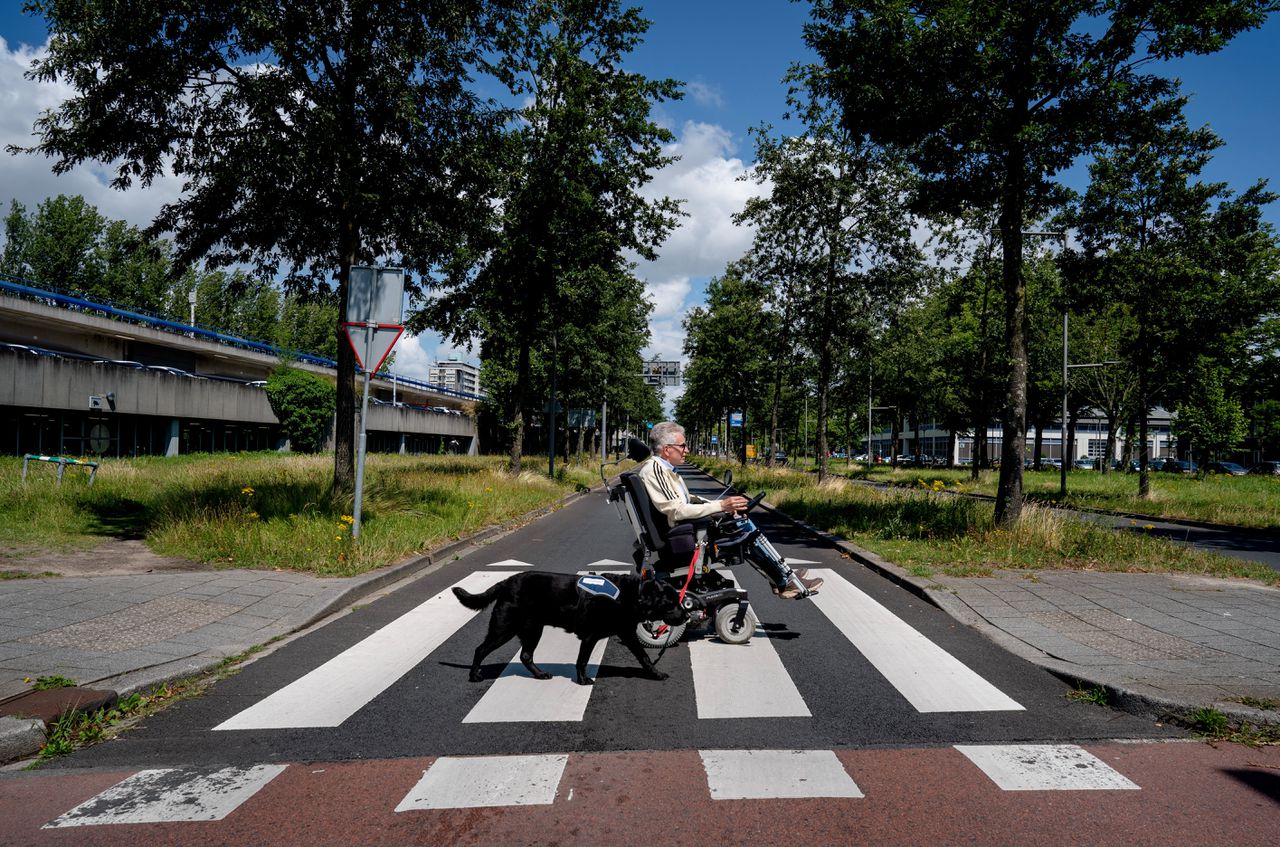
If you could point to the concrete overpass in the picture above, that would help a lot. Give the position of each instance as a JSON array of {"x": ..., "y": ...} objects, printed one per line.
[{"x": 84, "y": 379}]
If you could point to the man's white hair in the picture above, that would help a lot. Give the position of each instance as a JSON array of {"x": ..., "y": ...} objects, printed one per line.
[{"x": 663, "y": 434}]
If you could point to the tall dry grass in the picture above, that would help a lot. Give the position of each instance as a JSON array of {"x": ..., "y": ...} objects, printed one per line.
[{"x": 269, "y": 510}]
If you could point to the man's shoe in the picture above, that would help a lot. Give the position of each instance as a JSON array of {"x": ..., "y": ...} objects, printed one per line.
[{"x": 799, "y": 587}]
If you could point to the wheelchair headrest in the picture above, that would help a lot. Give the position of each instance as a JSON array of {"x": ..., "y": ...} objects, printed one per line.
[{"x": 637, "y": 450}]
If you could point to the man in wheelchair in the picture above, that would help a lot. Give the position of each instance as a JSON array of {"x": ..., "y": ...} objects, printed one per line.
[{"x": 669, "y": 495}]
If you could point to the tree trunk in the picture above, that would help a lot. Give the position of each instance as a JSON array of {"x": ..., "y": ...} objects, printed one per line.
[
  {"x": 518, "y": 406},
  {"x": 344, "y": 425},
  {"x": 1009, "y": 492}
]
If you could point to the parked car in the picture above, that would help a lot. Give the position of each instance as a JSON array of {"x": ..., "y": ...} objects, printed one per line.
[
  {"x": 121, "y": 363},
  {"x": 780, "y": 458},
  {"x": 1179, "y": 466},
  {"x": 1230, "y": 468},
  {"x": 1266, "y": 468},
  {"x": 1085, "y": 464},
  {"x": 173, "y": 371}
]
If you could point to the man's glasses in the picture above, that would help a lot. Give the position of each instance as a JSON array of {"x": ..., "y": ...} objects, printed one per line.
[{"x": 683, "y": 445}]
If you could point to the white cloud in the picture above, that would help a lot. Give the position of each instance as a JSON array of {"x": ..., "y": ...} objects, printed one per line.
[
  {"x": 29, "y": 179},
  {"x": 705, "y": 95},
  {"x": 707, "y": 180}
]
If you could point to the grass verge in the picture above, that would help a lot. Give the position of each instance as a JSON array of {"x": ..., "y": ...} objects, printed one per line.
[
  {"x": 925, "y": 532},
  {"x": 1245, "y": 501},
  {"x": 271, "y": 510}
]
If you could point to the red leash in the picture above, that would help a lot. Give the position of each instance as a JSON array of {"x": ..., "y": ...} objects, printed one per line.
[{"x": 697, "y": 551}]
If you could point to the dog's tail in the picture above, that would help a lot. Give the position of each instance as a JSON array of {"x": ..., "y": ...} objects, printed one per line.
[{"x": 476, "y": 601}]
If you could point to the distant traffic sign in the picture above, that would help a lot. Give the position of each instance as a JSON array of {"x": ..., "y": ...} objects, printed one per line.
[{"x": 660, "y": 373}]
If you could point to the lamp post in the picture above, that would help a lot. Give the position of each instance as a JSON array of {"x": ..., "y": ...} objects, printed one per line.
[{"x": 191, "y": 298}]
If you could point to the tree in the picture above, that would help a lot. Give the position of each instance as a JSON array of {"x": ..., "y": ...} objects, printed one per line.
[
  {"x": 570, "y": 202},
  {"x": 1207, "y": 418},
  {"x": 1193, "y": 262},
  {"x": 834, "y": 223},
  {"x": 727, "y": 343},
  {"x": 309, "y": 136},
  {"x": 992, "y": 100},
  {"x": 303, "y": 403}
]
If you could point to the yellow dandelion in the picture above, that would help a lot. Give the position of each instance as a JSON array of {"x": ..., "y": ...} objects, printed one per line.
[
  {"x": 337, "y": 538},
  {"x": 248, "y": 490},
  {"x": 1149, "y": 526},
  {"x": 253, "y": 515},
  {"x": 348, "y": 519}
]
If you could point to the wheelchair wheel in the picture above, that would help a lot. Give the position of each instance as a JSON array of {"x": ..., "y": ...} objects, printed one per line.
[
  {"x": 653, "y": 636},
  {"x": 724, "y": 624}
]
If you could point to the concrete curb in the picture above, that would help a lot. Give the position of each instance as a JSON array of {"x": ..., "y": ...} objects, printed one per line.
[{"x": 22, "y": 738}]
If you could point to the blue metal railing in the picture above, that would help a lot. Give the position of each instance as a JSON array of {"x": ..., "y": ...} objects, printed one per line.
[{"x": 68, "y": 300}]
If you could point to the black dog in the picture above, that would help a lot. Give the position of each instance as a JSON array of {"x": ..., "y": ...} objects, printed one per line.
[{"x": 526, "y": 602}]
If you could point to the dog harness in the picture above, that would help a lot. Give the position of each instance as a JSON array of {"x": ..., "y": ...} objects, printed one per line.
[{"x": 598, "y": 585}]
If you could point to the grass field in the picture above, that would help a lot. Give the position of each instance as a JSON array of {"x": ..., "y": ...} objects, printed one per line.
[
  {"x": 919, "y": 527},
  {"x": 271, "y": 510},
  {"x": 1250, "y": 501}
]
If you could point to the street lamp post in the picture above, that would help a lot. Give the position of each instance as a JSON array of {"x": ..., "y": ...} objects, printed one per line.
[{"x": 191, "y": 298}]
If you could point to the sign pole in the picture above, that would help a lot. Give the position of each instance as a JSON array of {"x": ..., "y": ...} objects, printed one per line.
[{"x": 364, "y": 416}]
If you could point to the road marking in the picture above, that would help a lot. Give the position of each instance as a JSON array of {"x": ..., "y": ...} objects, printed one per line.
[
  {"x": 772, "y": 774},
  {"x": 340, "y": 687},
  {"x": 930, "y": 678},
  {"x": 455, "y": 783},
  {"x": 791, "y": 561},
  {"x": 517, "y": 696},
  {"x": 609, "y": 566},
  {"x": 1044, "y": 767},
  {"x": 170, "y": 795},
  {"x": 743, "y": 680},
  {"x": 510, "y": 563}
]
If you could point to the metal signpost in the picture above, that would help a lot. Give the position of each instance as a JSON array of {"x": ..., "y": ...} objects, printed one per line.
[{"x": 375, "y": 298}]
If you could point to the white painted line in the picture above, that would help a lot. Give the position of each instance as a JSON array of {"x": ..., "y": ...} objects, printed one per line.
[
  {"x": 510, "y": 563},
  {"x": 517, "y": 696},
  {"x": 930, "y": 678},
  {"x": 793, "y": 562},
  {"x": 609, "y": 566},
  {"x": 772, "y": 774},
  {"x": 452, "y": 783},
  {"x": 1045, "y": 767},
  {"x": 743, "y": 680},
  {"x": 338, "y": 689},
  {"x": 170, "y": 795}
]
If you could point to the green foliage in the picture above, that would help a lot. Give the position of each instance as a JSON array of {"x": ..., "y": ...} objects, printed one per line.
[
  {"x": 303, "y": 402},
  {"x": 553, "y": 278},
  {"x": 992, "y": 101},
  {"x": 1095, "y": 694},
  {"x": 1207, "y": 418},
  {"x": 45, "y": 683},
  {"x": 307, "y": 137},
  {"x": 833, "y": 236}
]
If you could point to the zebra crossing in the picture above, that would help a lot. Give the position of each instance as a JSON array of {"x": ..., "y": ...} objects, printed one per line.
[
  {"x": 182, "y": 795},
  {"x": 730, "y": 681}
]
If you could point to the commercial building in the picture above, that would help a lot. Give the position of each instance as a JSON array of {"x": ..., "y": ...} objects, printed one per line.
[{"x": 456, "y": 375}]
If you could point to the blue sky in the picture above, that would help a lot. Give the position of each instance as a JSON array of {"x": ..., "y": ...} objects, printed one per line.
[{"x": 732, "y": 55}]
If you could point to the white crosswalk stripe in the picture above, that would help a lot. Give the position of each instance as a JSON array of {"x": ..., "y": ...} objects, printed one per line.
[
  {"x": 467, "y": 783},
  {"x": 338, "y": 689},
  {"x": 517, "y": 696},
  {"x": 171, "y": 795},
  {"x": 1044, "y": 767},
  {"x": 930, "y": 678},
  {"x": 774, "y": 774}
]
